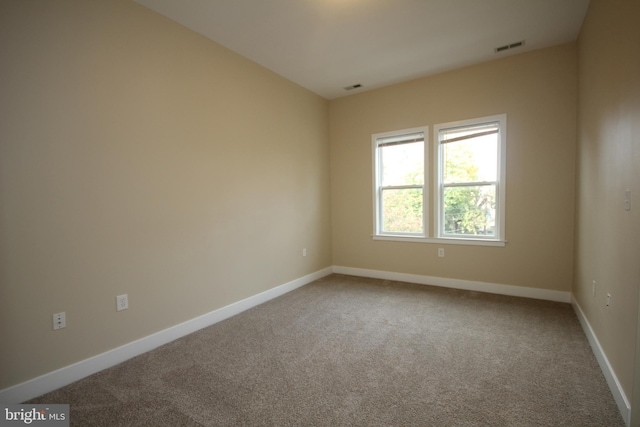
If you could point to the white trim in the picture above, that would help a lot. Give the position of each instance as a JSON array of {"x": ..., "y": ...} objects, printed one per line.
[
  {"x": 68, "y": 374},
  {"x": 377, "y": 203},
  {"x": 612, "y": 380},
  {"x": 502, "y": 172},
  {"x": 492, "y": 288}
]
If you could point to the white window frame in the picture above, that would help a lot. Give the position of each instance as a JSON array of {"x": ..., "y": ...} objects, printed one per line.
[
  {"x": 500, "y": 183},
  {"x": 378, "y": 188},
  {"x": 433, "y": 230}
]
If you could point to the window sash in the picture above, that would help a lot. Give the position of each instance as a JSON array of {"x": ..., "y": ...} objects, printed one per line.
[
  {"x": 495, "y": 210},
  {"x": 382, "y": 229}
]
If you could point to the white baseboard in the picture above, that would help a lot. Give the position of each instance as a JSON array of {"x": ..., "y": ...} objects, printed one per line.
[
  {"x": 492, "y": 288},
  {"x": 69, "y": 374},
  {"x": 612, "y": 380},
  {"x": 64, "y": 376}
]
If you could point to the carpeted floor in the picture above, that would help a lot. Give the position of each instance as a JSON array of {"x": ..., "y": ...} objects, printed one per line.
[{"x": 352, "y": 351}]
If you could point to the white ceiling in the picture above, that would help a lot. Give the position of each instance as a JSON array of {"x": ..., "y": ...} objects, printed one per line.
[{"x": 326, "y": 45}]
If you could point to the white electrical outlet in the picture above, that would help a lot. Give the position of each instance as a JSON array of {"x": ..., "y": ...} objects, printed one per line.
[
  {"x": 608, "y": 300},
  {"x": 59, "y": 321},
  {"x": 441, "y": 252},
  {"x": 122, "y": 302},
  {"x": 304, "y": 252}
]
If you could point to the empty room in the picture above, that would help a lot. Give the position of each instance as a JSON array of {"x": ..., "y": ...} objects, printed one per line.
[{"x": 320, "y": 212}]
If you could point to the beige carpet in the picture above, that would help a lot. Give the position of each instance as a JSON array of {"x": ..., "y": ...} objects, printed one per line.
[{"x": 351, "y": 351}]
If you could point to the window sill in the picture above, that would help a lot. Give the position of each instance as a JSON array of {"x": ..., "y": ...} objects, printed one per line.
[{"x": 442, "y": 240}]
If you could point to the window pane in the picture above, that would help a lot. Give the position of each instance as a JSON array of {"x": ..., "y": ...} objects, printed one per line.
[
  {"x": 402, "y": 211},
  {"x": 471, "y": 160},
  {"x": 402, "y": 164},
  {"x": 470, "y": 210}
]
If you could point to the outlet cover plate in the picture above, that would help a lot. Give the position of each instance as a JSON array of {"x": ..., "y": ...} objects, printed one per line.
[
  {"x": 122, "y": 302},
  {"x": 59, "y": 320}
]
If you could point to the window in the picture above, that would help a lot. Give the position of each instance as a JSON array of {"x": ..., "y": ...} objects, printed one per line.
[
  {"x": 400, "y": 178},
  {"x": 470, "y": 188},
  {"x": 468, "y": 197}
]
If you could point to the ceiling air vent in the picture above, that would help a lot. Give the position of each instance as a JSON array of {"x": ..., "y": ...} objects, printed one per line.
[
  {"x": 352, "y": 87},
  {"x": 509, "y": 46}
]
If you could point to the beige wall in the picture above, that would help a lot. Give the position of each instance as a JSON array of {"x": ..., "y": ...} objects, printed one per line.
[
  {"x": 138, "y": 157},
  {"x": 607, "y": 236},
  {"x": 538, "y": 93}
]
